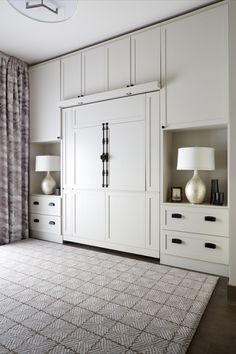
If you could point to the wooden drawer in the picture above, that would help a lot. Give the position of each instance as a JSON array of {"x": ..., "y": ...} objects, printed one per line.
[
  {"x": 203, "y": 220},
  {"x": 45, "y": 223},
  {"x": 49, "y": 205},
  {"x": 196, "y": 246}
]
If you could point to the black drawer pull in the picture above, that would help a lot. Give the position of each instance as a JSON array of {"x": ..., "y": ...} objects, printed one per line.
[
  {"x": 210, "y": 218},
  {"x": 210, "y": 245},
  {"x": 36, "y": 220},
  {"x": 176, "y": 216},
  {"x": 36, "y": 203},
  {"x": 176, "y": 240},
  {"x": 52, "y": 223},
  {"x": 51, "y": 204}
]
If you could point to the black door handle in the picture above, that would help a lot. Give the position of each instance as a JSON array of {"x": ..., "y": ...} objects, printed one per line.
[
  {"x": 51, "y": 204},
  {"x": 36, "y": 203},
  {"x": 176, "y": 216},
  {"x": 210, "y": 218},
  {"x": 176, "y": 240},
  {"x": 104, "y": 157},
  {"x": 210, "y": 245},
  {"x": 36, "y": 220},
  {"x": 52, "y": 223}
]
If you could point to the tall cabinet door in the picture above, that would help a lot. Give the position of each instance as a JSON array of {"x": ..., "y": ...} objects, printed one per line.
[
  {"x": 68, "y": 147},
  {"x": 45, "y": 122},
  {"x": 145, "y": 60},
  {"x": 71, "y": 76},
  {"x": 88, "y": 162},
  {"x": 118, "y": 60},
  {"x": 127, "y": 156},
  {"x": 94, "y": 66},
  {"x": 89, "y": 208},
  {"x": 126, "y": 219},
  {"x": 195, "y": 69}
]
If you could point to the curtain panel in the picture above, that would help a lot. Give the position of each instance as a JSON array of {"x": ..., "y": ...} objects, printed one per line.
[{"x": 14, "y": 150}]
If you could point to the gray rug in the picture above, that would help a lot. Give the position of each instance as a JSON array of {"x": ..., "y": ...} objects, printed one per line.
[{"x": 61, "y": 299}]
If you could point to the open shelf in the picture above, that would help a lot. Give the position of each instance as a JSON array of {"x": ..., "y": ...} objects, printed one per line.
[
  {"x": 207, "y": 137},
  {"x": 48, "y": 148}
]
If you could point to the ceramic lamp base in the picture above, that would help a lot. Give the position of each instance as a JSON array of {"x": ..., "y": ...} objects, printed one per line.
[
  {"x": 48, "y": 184},
  {"x": 195, "y": 189}
]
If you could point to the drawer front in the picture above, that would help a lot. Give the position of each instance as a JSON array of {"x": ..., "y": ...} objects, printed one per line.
[
  {"x": 45, "y": 205},
  {"x": 207, "y": 221},
  {"x": 45, "y": 223},
  {"x": 196, "y": 246}
]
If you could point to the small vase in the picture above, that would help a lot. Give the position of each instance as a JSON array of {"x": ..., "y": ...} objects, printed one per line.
[
  {"x": 195, "y": 189},
  {"x": 48, "y": 184}
]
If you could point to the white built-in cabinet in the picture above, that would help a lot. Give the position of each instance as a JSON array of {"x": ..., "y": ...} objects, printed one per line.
[
  {"x": 195, "y": 69},
  {"x": 145, "y": 58},
  {"x": 116, "y": 216},
  {"x": 123, "y": 62},
  {"x": 44, "y": 98},
  {"x": 71, "y": 76}
]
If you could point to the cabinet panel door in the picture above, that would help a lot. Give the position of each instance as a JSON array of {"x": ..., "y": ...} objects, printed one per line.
[
  {"x": 126, "y": 219},
  {"x": 90, "y": 215},
  {"x": 145, "y": 60},
  {"x": 152, "y": 221},
  {"x": 196, "y": 67},
  {"x": 152, "y": 142},
  {"x": 94, "y": 70},
  {"x": 127, "y": 156},
  {"x": 67, "y": 212},
  {"x": 71, "y": 76},
  {"x": 88, "y": 162},
  {"x": 68, "y": 147},
  {"x": 118, "y": 58},
  {"x": 44, "y": 97}
]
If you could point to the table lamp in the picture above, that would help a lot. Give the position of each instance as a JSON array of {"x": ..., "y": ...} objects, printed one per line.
[
  {"x": 47, "y": 163},
  {"x": 196, "y": 158}
]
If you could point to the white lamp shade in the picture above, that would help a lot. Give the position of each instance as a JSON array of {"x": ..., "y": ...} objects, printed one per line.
[
  {"x": 196, "y": 158},
  {"x": 47, "y": 163}
]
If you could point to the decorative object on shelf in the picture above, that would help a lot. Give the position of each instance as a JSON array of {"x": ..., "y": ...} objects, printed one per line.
[
  {"x": 46, "y": 10},
  {"x": 196, "y": 158},
  {"x": 47, "y": 163},
  {"x": 58, "y": 191},
  {"x": 176, "y": 194},
  {"x": 214, "y": 190},
  {"x": 217, "y": 197}
]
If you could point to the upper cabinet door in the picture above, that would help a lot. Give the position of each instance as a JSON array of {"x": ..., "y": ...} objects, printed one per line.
[
  {"x": 44, "y": 101},
  {"x": 118, "y": 59},
  {"x": 195, "y": 69},
  {"x": 71, "y": 76},
  {"x": 145, "y": 61},
  {"x": 94, "y": 64},
  {"x": 69, "y": 138}
]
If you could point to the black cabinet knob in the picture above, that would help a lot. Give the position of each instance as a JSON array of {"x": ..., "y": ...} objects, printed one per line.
[
  {"x": 52, "y": 223},
  {"x": 176, "y": 216},
  {"x": 51, "y": 204},
  {"x": 162, "y": 127},
  {"x": 210, "y": 245},
  {"x": 127, "y": 85},
  {"x": 132, "y": 85},
  {"x": 36, "y": 203},
  {"x": 176, "y": 240},
  {"x": 36, "y": 220},
  {"x": 210, "y": 218}
]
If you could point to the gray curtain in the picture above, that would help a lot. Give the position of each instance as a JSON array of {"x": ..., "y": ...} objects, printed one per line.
[{"x": 14, "y": 147}]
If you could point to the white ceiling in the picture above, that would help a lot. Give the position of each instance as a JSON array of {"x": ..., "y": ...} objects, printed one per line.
[{"x": 95, "y": 20}]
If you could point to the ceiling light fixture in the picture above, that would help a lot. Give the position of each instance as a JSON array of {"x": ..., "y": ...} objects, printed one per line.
[{"x": 46, "y": 10}]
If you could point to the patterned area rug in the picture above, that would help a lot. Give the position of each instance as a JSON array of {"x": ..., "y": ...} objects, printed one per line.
[{"x": 62, "y": 299}]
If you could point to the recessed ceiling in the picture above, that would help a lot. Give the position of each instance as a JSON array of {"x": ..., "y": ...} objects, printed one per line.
[{"x": 95, "y": 21}]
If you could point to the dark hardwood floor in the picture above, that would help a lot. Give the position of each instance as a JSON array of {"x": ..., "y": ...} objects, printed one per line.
[{"x": 216, "y": 333}]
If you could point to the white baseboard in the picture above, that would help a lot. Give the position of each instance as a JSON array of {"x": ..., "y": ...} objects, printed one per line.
[{"x": 199, "y": 266}]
